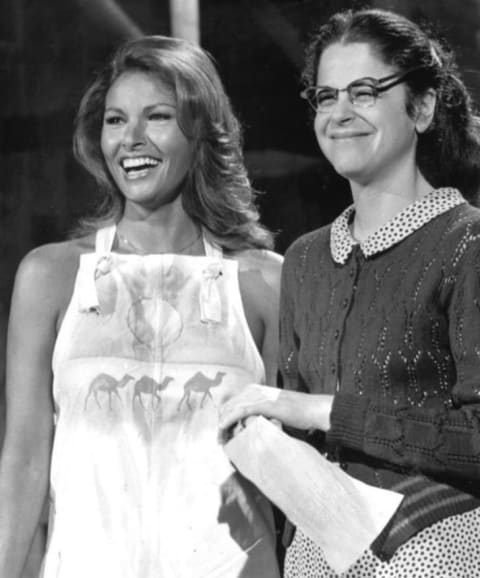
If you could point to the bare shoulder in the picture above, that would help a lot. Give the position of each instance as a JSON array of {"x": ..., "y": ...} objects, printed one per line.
[
  {"x": 47, "y": 274},
  {"x": 261, "y": 261},
  {"x": 55, "y": 262}
]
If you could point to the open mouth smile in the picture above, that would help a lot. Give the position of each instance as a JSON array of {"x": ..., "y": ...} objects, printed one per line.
[{"x": 138, "y": 167}]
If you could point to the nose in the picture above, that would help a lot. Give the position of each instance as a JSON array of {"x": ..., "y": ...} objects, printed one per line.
[
  {"x": 134, "y": 134},
  {"x": 342, "y": 111}
]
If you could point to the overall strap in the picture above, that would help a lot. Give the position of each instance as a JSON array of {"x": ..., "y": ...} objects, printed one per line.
[
  {"x": 210, "y": 300},
  {"x": 104, "y": 239},
  {"x": 212, "y": 248},
  {"x": 93, "y": 268}
]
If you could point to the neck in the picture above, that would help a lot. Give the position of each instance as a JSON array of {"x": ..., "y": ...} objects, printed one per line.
[
  {"x": 170, "y": 230},
  {"x": 379, "y": 202}
]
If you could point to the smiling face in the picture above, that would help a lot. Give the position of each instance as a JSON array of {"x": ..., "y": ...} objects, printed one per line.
[
  {"x": 145, "y": 151},
  {"x": 364, "y": 144}
]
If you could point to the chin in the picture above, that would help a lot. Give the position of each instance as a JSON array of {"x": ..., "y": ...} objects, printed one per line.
[{"x": 349, "y": 171}]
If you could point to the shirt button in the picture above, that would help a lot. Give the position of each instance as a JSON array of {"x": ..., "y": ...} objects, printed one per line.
[
  {"x": 345, "y": 302},
  {"x": 333, "y": 369},
  {"x": 336, "y": 334},
  {"x": 352, "y": 272}
]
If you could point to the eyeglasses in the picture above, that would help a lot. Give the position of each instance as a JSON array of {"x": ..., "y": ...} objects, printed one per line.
[{"x": 362, "y": 92}]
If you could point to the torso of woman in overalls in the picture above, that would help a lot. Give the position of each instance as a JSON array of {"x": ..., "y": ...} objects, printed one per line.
[{"x": 148, "y": 348}]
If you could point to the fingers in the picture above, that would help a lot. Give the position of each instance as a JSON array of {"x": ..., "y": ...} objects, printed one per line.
[
  {"x": 253, "y": 399},
  {"x": 226, "y": 434},
  {"x": 233, "y": 412}
]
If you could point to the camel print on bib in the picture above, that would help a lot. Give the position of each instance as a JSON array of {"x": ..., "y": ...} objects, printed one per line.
[
  {"x": 140, "y": 485},
  {"x": 105, "y": 387}
]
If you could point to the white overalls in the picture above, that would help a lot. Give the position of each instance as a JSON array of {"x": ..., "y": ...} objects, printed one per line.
[{"x": 140, "y": 485}]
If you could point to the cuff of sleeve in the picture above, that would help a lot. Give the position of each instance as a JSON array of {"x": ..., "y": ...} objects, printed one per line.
[{"x": 347, "y": 420}]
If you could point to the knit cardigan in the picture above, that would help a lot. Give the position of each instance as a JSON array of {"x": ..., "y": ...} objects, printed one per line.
[{"x": 395, "y": 336}]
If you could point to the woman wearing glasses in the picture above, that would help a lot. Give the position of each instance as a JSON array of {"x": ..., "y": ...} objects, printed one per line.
[{"x": 380, "y": 313}]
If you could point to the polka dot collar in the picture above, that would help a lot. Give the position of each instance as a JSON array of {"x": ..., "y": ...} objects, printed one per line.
[{"x": 400, "y": 227}]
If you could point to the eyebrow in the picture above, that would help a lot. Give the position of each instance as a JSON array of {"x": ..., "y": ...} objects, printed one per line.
[
  {"x": 361, "y": 80},
  {"x": 378, "y": 81},
  {"x": 148, "y": 108}
]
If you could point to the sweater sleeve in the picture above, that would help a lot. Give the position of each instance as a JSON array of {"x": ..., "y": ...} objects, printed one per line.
[
  {"x": 443, "y": 441},
  {"x": 289, "y": 340}
]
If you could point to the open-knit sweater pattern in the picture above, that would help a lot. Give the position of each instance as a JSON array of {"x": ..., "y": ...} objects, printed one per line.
[{"x": 395, "y": 336}]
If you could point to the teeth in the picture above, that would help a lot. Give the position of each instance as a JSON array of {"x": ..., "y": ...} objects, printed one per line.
[{"x": 135, "y": 163}]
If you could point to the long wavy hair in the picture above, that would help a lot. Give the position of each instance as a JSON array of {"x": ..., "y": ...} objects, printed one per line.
[
  {"x": 448, "y": 153},
  {"x": 218, "y": 194}
]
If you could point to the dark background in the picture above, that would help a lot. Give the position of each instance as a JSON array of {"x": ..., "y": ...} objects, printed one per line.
[{"x": 50, "y": 49}]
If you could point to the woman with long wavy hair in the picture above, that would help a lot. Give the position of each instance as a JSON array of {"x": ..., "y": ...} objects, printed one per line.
[{"x": 124, "y": 340}]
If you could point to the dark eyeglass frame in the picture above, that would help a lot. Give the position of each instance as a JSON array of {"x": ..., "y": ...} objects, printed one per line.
[{"x": 378, "y": 85}]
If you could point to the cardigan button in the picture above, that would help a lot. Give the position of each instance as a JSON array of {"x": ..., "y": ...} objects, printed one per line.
[
  {"x": 336, "y": 335},
  {"x": 345, "y": 302}
]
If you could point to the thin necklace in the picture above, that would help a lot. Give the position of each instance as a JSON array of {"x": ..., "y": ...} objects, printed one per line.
[{"x": 141, "y": 251}]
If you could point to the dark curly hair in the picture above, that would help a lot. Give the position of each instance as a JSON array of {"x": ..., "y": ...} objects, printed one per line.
[
  {"x": 448, "y": 153},
  {"x": 218, "y": 194}
]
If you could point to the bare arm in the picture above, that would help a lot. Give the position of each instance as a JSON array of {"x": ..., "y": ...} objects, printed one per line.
[
  {"x": 271, "y": 273},
  {"x": 260, "y": 273},
  {"x": 25, "y": 460}
]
